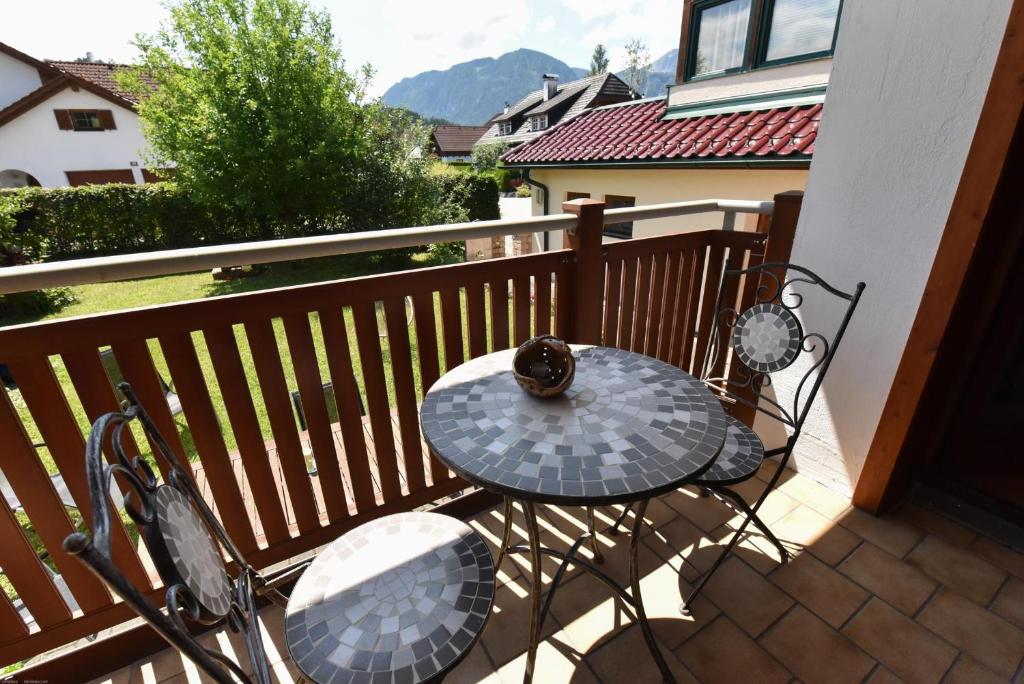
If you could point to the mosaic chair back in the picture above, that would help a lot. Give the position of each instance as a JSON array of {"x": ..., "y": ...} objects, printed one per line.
[
  {"x": 772, "y": 335},
  {"x": 185, "y": 541}
]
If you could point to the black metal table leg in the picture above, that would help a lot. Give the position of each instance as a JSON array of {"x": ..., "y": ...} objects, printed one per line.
[
  {"x": 638, "y": 601},
  {"x": 536, "y": 588}
]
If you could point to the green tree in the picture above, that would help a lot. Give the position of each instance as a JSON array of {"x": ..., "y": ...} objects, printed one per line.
[
  {"x": 251, "y": 102},
  {"x": 638, "y": 66},
  {"x": 599, "y": 61},
  {"x": 487, "y": 157}
]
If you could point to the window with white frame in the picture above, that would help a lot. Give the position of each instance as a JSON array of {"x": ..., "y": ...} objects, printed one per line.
[
  {"x": 505, "y": 128},
  {"x": 539, "y": 122}
]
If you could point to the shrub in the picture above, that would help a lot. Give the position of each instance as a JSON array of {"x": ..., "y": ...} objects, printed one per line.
[
  {"x": 29, "y": 306},
  {"x": 523, "y": 190}
]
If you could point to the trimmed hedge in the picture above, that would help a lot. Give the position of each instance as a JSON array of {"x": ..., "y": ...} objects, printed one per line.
[{"x": 52, "y": 224}]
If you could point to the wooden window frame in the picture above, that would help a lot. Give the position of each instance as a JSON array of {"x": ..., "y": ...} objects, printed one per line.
[
  {"x": 756, "y": 48},
  {"x": 618, "y": 230}
]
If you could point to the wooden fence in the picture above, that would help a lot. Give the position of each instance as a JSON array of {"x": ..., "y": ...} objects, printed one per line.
[{"x": 649, "y": 295}]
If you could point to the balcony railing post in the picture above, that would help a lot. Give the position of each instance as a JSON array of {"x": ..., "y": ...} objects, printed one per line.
[
  {"x": 782, "y": 228},
  {"x": 588, "y": 283}
]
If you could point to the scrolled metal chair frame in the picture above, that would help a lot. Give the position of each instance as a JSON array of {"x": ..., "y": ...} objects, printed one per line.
[{"x": 142, "y": 483}]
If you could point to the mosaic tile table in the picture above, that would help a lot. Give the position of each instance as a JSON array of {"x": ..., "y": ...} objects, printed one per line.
[
  {"x": 630, "y": 428},
  {"x": 399, "y": 600}
]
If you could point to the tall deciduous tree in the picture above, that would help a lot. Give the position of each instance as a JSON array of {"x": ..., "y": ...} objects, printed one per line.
[
  {"x": 638, "y": 66},
  {"x": 599, "y": 61},
  {"x": 251, "y": 102}
]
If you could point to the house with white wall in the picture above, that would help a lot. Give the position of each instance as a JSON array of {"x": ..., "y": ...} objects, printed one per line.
[
  {"x": 740, "y": 121},
  {"x": 66, "y": 123}
]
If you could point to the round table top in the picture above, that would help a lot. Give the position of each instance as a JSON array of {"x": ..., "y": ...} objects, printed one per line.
[
  {"x": 630, "y": 427},
  {"x": 398, "y": 599}
]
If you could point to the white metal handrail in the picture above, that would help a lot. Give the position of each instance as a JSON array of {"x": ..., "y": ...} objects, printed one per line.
[{"x": 168, "y": 262}]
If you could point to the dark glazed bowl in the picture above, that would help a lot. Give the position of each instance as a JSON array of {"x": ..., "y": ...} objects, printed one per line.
[{"x": 544, "y": 366}]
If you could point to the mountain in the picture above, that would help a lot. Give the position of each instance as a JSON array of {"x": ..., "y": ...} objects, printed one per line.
[
  {"x": 663, "y": 74},
  {"x": 472, "y": 92}
]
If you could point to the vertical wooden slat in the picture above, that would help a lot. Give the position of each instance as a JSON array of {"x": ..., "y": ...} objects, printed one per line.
[
  {"x": 314, "y": 407},
  {"x": 654, "y": 322},
  {"x": 426, "y": 343},
  {"x": 377, "y": 399},
  {"x": 696, "y": 281},
  {"x": 670, "y": 308},
  {"x": 202, "y": 421},
  {"x": 227, "y": 365},
  {"x": 267, "y": 361},
  {"x": 542, "y": 319},
  {"x": 521, "y": 309},
  {"x": 26, "y": 572},
  {"x": 451, "y": 324},
  {"x": 730, "y": 296},
  {"x": 563, "y": 307},
  {"x": 346, "y": 393},
  {"x": 643, "y": 304},
  {"x": 476, "y": 319},
  {"x": 709, "y": 293},
  {"x": 612, "y": 287},
  {"x": 405, "y": 392},
  {"x": 11, "y": 625},
  {"x": 499, "y": 314},
  {"x": 97, "y": 396},
  {"x": 628, "y": 301},
  {"x": 29, "y": 479},
  {"x": 136, "y": 364}
]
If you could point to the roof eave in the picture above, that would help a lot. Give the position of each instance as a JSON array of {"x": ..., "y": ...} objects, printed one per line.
[{"x": 801, "y": 162}]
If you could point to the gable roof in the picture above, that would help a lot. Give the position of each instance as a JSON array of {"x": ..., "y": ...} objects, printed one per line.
[
  {"x": 636, "y": 133},
  {"x": 574, "y": 96},
  {"x": 97, "y": 73},
  {"x": 55, "y": 78},
  {"x": 456, "y": 139}
]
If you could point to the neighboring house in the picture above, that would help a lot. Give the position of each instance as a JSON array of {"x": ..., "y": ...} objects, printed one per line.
[
  {"x": 455, "y": 143},
  {"x": 66, "y": 123},
  {"x": 739, "y": 123},
  {"x": 554, "y": 103}
]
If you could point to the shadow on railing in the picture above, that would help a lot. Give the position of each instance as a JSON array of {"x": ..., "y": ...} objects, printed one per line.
[{"x": 230, "y": 359}]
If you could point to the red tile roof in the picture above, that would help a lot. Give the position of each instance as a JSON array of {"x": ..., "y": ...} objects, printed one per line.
[
  {"x": 97, "y": 73},
  {"x": 457, "y": 139},
  {"x": 636, "y": 133}
]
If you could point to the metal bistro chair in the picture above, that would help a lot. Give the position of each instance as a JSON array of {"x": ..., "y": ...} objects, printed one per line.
[
  {"x": 116, "y": 378},
  {"x": 765, "y": 338},
  {"x": 402, "y": 598}
]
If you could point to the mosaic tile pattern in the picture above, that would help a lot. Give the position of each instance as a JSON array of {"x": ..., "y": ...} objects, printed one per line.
[
  {"x": 196, "y": 558},
  {"x": 630, "y": 427},
  {"x": 767, "y": 337},
  {"x": 740, "y": 457},
  {"x": 394, "y": 601}
]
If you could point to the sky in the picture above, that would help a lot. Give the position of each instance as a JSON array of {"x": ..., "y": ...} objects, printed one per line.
[{"x": 399, "y": 38}]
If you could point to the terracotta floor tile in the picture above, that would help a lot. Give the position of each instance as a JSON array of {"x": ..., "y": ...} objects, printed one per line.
[
  {"x": 489, "y": 526},
  {"x": 657, "y": 515},
  {"x": 815, "y": 652},
  {"x": 706, "y": 512},
  {"x": 626, "y": 658},
  {"x": 819, "y": 497},
  {"x": 508, "y": 629},
  {"x": 1009, "y": 602},
  {"x": 751, "y": 601},
  {"x": 902, "y": 585},
  {"x": 958, "y": 569},
  {"x": 905, "y": 647},
  {"x": 805, "y": 528},
  {"x": 476, "y": 667},
  {"x": 939, "y": 525},
  {"x": 969, "y": 671},
  {"x": 589, "y": 613},
  {"x": 828, "y": 594},
  {"x": 721, "y": 652},
  {"x": 774, "y": 507},
  {"x": 986, "y": 637},
  {"x": 1000, "y": 556},
  {"x": 884, "y": 676},
  {"x": 557, "y": 663},
  {"x": 664, "y": 590},
  {"x": 768, "y": 468},
  {"x": 682, "y": 540},
  {"x": 885, "y": 532},
  {"x": 754, "y": 547}
]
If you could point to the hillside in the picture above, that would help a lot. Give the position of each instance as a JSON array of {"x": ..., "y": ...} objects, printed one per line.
[
  {"x": 472, "y": 92},
  {"x": 663, "y": 74}
]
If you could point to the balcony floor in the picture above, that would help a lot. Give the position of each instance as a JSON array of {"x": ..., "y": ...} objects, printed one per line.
[{"x": 912, "y": 596}]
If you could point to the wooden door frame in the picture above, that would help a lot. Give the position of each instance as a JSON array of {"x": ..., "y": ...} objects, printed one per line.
[{"x": 885, "y": 470}]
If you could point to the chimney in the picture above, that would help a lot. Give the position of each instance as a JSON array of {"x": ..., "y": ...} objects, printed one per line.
[
  {"x": 550, "y": 86},
  {"x": 506, "y": 107},
  {"x": 88, "y": 56}
]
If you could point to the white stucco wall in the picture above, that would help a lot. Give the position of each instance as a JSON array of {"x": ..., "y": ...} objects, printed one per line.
[
  {"x": 757, "y": 82},
  {"x": 17, "y": 79},
  {"x": 33, "y": 143},
  {"x": 653, "y": 186},
  {"x": 906, "y": 90}
]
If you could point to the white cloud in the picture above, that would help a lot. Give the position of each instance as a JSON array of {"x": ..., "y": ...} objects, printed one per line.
[
  {"x": 546, "y": 25},
  {"x": 588, "y": 10}
]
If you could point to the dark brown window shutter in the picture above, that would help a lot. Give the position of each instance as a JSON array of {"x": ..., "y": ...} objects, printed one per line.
[
  {"x": 107, "y": 119},
  {"x": 63, "y": 119}
]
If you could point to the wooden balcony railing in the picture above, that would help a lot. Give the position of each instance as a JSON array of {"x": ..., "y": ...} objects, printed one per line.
[{"x": 651, "y": 295}]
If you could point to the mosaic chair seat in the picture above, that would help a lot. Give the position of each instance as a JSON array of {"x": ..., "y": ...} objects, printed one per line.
[
  {"x": 746, "y": 348},
  {"x": 400, "y": 599}
]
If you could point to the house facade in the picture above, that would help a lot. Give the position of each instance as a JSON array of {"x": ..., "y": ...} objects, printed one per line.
[
  {"x": 66, "y": 123},
  {"x": 740, "y": 121}
]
